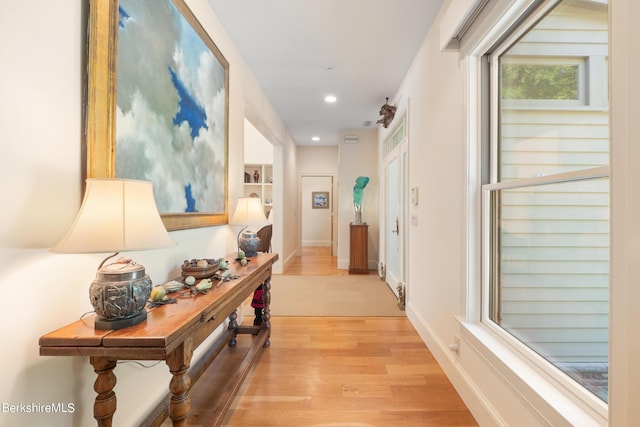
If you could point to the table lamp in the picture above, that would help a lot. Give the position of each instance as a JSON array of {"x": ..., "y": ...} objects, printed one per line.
[
  {"x": 249, "y": 212},
  {"x": 117, "y": 215}
]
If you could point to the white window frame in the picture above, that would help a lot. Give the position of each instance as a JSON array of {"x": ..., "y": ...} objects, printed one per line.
[{"x": 564, "y": 399}]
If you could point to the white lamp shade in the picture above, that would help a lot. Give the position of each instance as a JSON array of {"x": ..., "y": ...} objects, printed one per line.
[
  {"x": 249, "y": 211},
  {"x": 116, "y": 215}
]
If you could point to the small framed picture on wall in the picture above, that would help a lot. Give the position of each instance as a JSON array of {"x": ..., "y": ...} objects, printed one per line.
[{"x": 320, "y": 199}]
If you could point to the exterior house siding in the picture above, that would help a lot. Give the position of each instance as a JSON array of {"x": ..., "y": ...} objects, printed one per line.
[{"x": 554, "y": 276}]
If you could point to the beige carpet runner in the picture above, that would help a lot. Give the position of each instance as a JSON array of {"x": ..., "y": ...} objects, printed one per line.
[{"x": 354, "y": 295}]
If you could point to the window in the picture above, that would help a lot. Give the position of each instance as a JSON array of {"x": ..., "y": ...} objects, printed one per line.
[
  {"x": 542, "y": 81},
  {"x": 546, "y": 191},
  {"x": 528, "y": 80}
]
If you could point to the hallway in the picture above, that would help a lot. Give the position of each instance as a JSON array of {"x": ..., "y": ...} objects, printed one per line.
[
  {"x": 335, "y": 371},
  {"x": 345, "y": 371}
]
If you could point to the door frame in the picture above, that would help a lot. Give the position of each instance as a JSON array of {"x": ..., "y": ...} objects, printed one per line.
[
  {"x": 332, "y": 207},
  {"x": 399, "y": 149}
]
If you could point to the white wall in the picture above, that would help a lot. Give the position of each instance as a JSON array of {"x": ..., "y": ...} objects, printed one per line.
[
  {"x": 318, "y": 160},
  {"x": 356, "y": 160},
  {"x": 259, "y": 111},
  {"x": 316, "y": 223},
  {"x": 286, "y": 203},
  {"x": 40, "y": 159},
  {"x": 257, "y": 148}
]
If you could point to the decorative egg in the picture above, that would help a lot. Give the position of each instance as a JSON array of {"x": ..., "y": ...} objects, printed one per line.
[
  {"x": 202, "y": 263},
  {"x": 190, "y": 280}
]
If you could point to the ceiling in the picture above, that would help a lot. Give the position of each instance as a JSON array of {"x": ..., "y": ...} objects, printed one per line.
[{"x": 302, "y": 50}]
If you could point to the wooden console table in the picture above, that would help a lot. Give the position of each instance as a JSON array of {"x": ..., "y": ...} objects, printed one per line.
[{"x": 170, "y": 333}]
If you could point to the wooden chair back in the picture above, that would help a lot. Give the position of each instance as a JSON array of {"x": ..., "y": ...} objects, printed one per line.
[{"x": 264, "y": 234}]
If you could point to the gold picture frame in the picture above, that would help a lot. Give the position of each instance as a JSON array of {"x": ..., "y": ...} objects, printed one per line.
[{"x": 105, "y": 19}]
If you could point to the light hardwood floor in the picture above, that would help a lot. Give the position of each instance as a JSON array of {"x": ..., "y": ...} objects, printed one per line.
[
  {"x": 347, "y": 371},
  {"x": 337, "y": 371},
  {"x": 315, "y": 260}
]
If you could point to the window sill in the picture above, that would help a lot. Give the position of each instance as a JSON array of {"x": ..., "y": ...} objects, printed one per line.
[{"x": 558, "y": 399}]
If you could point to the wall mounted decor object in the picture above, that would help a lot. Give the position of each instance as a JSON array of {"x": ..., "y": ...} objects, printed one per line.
[
  {"x": 387, "y": 112},
  {"x": 159, "y": 114},
  {"x": 320, "y": 200}
]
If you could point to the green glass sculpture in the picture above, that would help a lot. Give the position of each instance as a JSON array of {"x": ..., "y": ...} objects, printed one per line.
[{"x": 358, "y": 193}]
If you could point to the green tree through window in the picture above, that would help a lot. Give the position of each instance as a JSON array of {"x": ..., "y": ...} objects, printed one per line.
[{"x": 539, "y": 81}]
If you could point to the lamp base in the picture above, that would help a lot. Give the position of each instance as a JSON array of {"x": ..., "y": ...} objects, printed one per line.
[
  {"x": 119, "y": 295},
  {"x": 103, "y": 325},
  {"x": 248, "y": 242}
]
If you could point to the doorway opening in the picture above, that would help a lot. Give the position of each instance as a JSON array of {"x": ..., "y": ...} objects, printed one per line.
[
  {"x": 317, "y": 230},
  {"x": 317, "y": 212}
]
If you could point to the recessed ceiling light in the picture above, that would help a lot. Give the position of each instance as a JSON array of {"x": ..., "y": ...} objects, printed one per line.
[
  {"x": 315, "y": 138},
  {"x": 330, "y": 99}
]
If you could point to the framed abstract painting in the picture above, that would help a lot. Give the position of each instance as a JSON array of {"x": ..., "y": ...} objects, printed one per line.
[{"x": 157, "y": 104}]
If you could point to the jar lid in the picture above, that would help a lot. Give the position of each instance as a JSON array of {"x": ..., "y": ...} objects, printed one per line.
[{"x": 121, "y": 270}]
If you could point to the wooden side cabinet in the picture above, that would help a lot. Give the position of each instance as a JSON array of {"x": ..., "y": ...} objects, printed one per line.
[{"x": 358, "y": 249}]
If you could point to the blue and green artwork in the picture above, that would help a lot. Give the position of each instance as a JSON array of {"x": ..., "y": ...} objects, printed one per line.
[{"x": 170, "y": 108}]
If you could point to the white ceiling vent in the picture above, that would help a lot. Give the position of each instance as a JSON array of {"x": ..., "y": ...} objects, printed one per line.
[{"x": 351, "y": 139}]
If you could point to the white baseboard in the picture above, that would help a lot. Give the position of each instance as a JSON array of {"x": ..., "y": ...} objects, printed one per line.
[
  {"x": 492, "y": 390},
  {"x": 482, "y": 411},
  {"x": 288, "y": 260}
]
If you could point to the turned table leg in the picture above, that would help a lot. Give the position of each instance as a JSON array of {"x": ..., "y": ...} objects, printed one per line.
[
  {"x": 105, "y": 404},
  {"x": 179, "y": 361},
  {"x": 266, "y": 311},
  {"x": 233, "y": 327}
]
